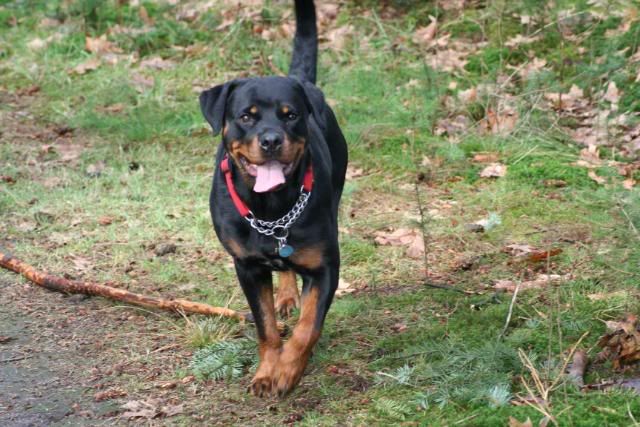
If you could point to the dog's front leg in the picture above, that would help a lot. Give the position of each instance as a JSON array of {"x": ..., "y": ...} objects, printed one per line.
[
  {"x": 257, "y": 284},
  {"x": 317, "y": 294}
]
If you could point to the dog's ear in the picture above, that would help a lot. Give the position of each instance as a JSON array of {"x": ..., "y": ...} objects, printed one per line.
[
  {"x": 315, "y": 103},
  {"x": 213, "y": 103}
]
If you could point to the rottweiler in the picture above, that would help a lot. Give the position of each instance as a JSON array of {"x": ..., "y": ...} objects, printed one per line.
[{"x": 278, "y": 178}]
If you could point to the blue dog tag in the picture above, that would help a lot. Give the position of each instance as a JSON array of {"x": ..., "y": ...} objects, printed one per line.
[{"x": 285, "y": 251}]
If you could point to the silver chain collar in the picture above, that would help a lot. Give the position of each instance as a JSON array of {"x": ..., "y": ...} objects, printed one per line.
[{"x": 279, "y": 228}]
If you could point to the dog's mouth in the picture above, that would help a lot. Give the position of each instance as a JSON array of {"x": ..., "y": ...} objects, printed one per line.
[{"x": 269, "y": 175}]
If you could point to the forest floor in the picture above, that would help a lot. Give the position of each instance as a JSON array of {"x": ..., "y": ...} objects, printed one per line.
[{"x": 493, "y": 146}]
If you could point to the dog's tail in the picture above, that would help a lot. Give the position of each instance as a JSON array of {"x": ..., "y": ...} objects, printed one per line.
[{"x": 305, "y": 43}]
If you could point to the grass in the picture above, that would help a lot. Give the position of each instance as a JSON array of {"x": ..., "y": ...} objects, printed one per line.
[{"x": 452, "y": 364}]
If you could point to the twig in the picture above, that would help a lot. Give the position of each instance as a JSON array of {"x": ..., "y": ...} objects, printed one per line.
[
  {"x": 511, "y": 305},
  {"x": 578, "y": 367},
  {"x": 633, "y": 227},
  {"x": 61, "y": 284},
  {"x": 15, "y": 359}
]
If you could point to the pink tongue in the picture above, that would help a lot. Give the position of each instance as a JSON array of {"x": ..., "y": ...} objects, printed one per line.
[{"x": 269, "y": 176}]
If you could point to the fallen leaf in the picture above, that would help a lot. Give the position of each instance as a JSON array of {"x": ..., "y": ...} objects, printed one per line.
[
  {"x": 165, "y": 248},
  {"x": 520, "y": 39},
  {"x": 628, "y": 183},
  {"x": 485, "y": 158},
  {"x": 105, "y": 220},
  {"x": 468, "y": 96},
  {"x": 8, "y": 179},
  {"x": 344, "y": 288},
  {"x": 600, "y": 180},
  {"x": 157, "y": 63},
  {"x": 410, "y": 238},
  {"x": 109, "y": 394},
  {"x": 566, "y": 101},
  {"x": 539, "y": 256},
  {"x": 513, "y": 422},
  {"x": 94, "y": 170},
  {"x": 494, "y": 170},
  {"x": 622, "y": 344},
  {"x": 142, "y": 83},
  {"x": 554, "y": 183},
  {"x": 100, "y": 45},
  {"x": 541, "y": 281},
  {"x": 140, "y": 409},
  {"x": 81, "y": 264},
  {"x": 424, "y": 35},
  {"x": 88, "y": 65},
  {"x": 399, "y": 327},
  {"x": 484, "y": 224},
  {"x": 500, "y": 122},
  {"x": 612, "y": 94},
  {"x": 608, "y": 295}
]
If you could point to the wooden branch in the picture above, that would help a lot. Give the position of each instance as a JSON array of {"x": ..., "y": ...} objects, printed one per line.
[{"x": 61, "y": 284}]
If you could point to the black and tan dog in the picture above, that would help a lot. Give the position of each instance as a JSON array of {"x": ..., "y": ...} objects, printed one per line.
[{"x": 277, "y": 183}]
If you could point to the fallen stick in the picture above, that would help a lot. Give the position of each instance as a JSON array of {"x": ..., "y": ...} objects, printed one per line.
[
  {"x": 61, "y": 284},
  {"x": 578, "y": 368}
]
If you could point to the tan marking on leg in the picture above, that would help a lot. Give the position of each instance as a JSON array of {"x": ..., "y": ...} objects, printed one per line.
[
  {"x": 287, "y": 297},
  {"x": 253, "y": 109},
  {"x": 296, "y": 352},
  {"x": 225, "y": 130},
  {"x": 310, "y": 257},
  {"x": 236, "y": 249},
  {"x": 268, "y": 347}
]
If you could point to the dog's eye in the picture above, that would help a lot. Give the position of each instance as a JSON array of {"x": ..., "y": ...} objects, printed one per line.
[
  {"x": 245, "y": 118},
  {"x": 291, "y": 116}
]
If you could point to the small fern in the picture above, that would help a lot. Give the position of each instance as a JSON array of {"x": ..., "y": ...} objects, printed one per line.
[
  {"x": 393, "y": 409},
  {"x": 223, "y": 360}
]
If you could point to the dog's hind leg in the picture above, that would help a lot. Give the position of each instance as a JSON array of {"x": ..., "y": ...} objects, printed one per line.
[{"x": 287, "y": 297}]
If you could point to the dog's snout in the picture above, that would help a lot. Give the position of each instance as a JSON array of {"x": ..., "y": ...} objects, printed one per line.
[{"x": 270, "y": 141}]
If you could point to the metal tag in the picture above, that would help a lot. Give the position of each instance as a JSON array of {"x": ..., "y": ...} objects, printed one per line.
[{"x": 285, "y": 251}]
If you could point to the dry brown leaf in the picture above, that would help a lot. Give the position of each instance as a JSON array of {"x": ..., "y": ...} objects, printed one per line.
[
  {"x": 515, "y": 423},
  {"x": 100, "y": 45},
  {"x": 530, "y": 68},
  {"x": 452, "y": 126},
  {"x": 344, "y": 288},
  {"x": 520, "y": 39},
  {"x": 566, "y": 101},
  {"x": 468, "y": 96},
  {"x": 447, "y": 60},
  {"x": 628, "y": 183},
  {"x": 485, "y": 158},
  {"x": 608, "y": 295},
  {"x": 141, "y": 82},
  {"x": 410, "y": 238},
  {"x": 612, "y": 94},
  {"x": 501, "y": 122},
  {"x": 88, "y": 65},
  {"x": 622, "y": 344},
  {"x": 494, "y": 170},
  {"x": 600, "y": 180},
  {"x": 424, "y": 35},
  {"x": 140, "y": 409},
  {"x": 338, "y": 37},
  {"x": 105, "y": 220},
  {"x": 157, "y": 63}
]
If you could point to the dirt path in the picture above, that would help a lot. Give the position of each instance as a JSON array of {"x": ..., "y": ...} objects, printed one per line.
[{"x": 75, "y": 360}]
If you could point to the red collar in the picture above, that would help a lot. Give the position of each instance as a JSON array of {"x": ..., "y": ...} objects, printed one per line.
[{"x": 241, "y": 206}]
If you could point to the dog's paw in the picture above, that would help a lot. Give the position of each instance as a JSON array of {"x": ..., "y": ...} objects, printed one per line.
[
  {"x": 262, "y": 386},
  {"x": 286, "y": 304}
]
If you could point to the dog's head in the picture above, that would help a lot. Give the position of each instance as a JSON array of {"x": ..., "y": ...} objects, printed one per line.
[{"x": 265, "y": 125}]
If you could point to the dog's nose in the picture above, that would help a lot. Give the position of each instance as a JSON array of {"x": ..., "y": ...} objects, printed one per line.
[{"x": 270, "y": 141}]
